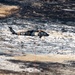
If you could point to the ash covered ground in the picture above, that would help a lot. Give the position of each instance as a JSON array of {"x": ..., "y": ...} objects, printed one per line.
[
  {"x": 31, "y": 55},
  {"x": 57, "y": 43}
]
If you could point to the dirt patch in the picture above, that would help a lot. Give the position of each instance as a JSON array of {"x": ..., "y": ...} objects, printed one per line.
[
  {"x": 46, "y": 58},
  {"x": 7, "y": 10}
]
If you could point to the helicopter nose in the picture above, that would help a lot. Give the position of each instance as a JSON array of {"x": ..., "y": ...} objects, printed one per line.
[{"x": 42, "y": 33}]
